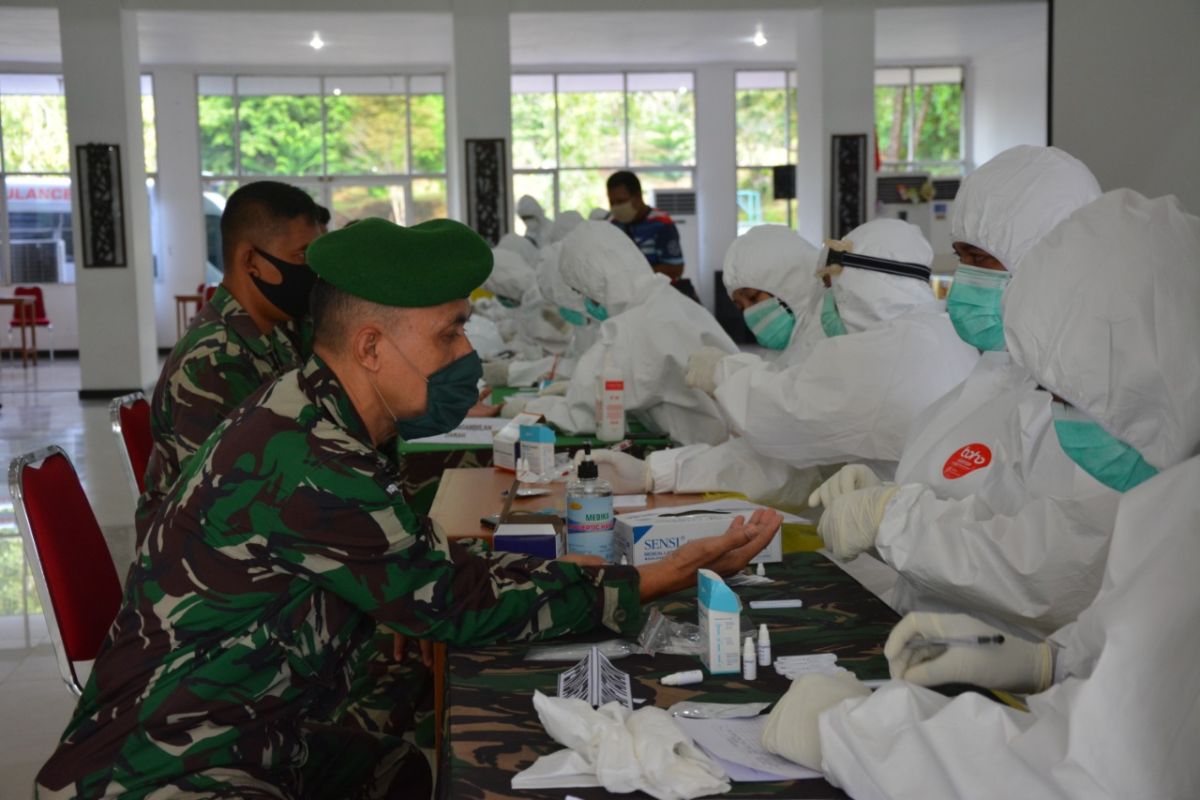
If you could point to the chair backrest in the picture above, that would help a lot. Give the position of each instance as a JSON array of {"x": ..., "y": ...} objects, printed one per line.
[
  {"x": 209, "y": 292},
  {"x": 76, "y": 579},
  {"x": 130, "y": 417},
  {"x": 39, "y": 305}
]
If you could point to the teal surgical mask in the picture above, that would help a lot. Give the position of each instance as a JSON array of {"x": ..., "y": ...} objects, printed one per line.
[
  {"x": 974, "y": 306},
  {"x": 572, "y": 316},
  {"x": 597, "y": 311},
  {"x": 450, "y": 393},
  {"x": 771, "y": 322},
  {"x": 508, "y": 302},
  {"x": 831, "y": 319},
  {"x": 1097, "y": 452}
]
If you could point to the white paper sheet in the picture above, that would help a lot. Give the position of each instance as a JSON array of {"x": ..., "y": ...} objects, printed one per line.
[
  {"x": 473, "y": 430},
  {"x": 739, "y": 742},
  {"x": 630, "y": 501}
]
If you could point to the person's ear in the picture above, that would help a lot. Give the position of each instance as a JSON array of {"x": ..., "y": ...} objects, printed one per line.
[
  {"x": 365, "y": 347},
  {"x": 244, "y": 257}
]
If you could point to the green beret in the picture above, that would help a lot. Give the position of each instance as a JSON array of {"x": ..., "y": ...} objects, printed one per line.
[{"x": 425, "y": 265}]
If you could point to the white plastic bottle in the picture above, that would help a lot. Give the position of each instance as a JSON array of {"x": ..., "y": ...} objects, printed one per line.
[
  {"x": 610, "y": 401},
  {"x": 590, "y": 512}
]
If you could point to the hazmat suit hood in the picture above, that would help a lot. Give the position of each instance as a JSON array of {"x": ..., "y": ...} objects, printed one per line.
[
  {"x": 598, "y": 214},
  {"x": 1012, "y": 201},
  {"x": 521, "y": 246},
  {"x": 1104, "y": 313},
  {"x": 550, "y": 281},
  {"x": 564, "y": 223},
  {"x": 776, "y": 259},
  {"x": 537, "y": 225},
  {"x": 866, "y": 298},
  {"x": 511, "y": 277},
  {"x": 604, "y": 264}
]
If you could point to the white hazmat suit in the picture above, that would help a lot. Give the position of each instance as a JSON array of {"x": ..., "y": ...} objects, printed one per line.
[{"x": 537, "y": 225}]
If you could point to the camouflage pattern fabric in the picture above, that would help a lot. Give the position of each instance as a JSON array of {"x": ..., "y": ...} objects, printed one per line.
[
  {"x": 235, "y": 656},
  {"x": 494, "y": 733},
  {"x": 221, "y": 359}
]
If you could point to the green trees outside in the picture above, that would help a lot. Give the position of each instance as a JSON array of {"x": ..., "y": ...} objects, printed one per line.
[{"x": 934, "y": 112}]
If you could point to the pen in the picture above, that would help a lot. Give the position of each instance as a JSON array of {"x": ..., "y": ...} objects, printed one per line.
[{"x": 956, "y": 641}]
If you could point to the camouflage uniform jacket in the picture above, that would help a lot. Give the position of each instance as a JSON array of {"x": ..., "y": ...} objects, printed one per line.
[
  {"x": 221, "y": 360},
  {"x": 283, "y": 542}
]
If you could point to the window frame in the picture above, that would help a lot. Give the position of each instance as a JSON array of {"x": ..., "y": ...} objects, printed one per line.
[
  {"x": 558, "y": 167},
  {"x": 790, "y": 83},
  {"x": 934, "y": 166}
]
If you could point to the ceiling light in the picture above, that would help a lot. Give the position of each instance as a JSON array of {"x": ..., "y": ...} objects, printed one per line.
[
  {"x": 760, "y": 39},
  {"x": 316, "y": 42}
]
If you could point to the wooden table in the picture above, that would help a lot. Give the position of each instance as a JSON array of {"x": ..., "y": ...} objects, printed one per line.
[
  {"x": 26, "y": 321},
  {"x": 182, "y": 301}
]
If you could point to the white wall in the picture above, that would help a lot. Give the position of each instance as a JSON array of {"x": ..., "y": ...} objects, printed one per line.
[
  {"x": 1127, "y": 93},
  {"x": 1003, "y": 48}
]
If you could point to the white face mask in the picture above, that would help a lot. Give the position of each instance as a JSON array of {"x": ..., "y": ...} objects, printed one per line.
[{"x": 624, "y": 212}]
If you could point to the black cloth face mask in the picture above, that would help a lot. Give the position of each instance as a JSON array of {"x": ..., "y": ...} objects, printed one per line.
[{"x": 291, "y": 294}]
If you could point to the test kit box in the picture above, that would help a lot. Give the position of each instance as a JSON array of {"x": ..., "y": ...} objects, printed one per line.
[
  {"x": 537, "y": 448},
  {"x": 506, "y": 442},
  {"x": 543, "y": 541},
  {"x": 720, "y": 624},
  {"x": 644, "y": 537}
]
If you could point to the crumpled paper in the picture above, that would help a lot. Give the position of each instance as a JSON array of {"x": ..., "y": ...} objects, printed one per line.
[{"x": 622, "y": 751}]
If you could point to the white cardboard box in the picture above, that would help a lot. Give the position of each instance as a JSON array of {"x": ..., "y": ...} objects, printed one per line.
[
  {"x": 644, "y": 537},
  {"x": 506, "y": 442}
]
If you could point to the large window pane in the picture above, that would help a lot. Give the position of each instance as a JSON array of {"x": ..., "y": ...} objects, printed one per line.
[
  {"x": 428, "y": 132},
  {"x": 353, "y": 203},
  {"x": 591, "y": 120},
  {"x": 428, "y": 199},
  {"x": 149, "y": 125},
  {"x": 756, "y": 200},
  {"x": 33, "y": 117},
  {"x": 582, "y": 189},
  {"x": 937, "y": 110},
  {"x": 891, "y": 122},
  {"x": 539, "y": 186},
  {"x": 662, "y": 119},
  {"x": 216, "y": 115},
  {"x": 533, "y": 122},
  {"x": 366, "y": 134},
  {"x": 762, "y": 127},
  {"x": 279, "y": 126},
  {"x": 39, "y": 227}
]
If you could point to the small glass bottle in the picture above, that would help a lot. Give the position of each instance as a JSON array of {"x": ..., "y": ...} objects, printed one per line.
[{"x": 590, "y": 511}]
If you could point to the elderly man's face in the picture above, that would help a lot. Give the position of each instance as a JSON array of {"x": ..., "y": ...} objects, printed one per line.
[{"x": 417, "y": 344}]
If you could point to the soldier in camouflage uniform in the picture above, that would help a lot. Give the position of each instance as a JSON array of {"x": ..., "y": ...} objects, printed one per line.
[
  {"x": 286, "y": 538},
  {"x": 248, "y": 334}
]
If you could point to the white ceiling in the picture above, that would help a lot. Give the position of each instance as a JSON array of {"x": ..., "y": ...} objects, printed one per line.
[
  {"x": 652, "y": 37},
  {"x": 958, "y": 32}
]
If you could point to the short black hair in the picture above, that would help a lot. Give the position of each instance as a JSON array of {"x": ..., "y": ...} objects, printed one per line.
[
  {"x": 323, "y": 216},
  {"x": 626, "y": 179},
  {"x": 261, "y": 209}
]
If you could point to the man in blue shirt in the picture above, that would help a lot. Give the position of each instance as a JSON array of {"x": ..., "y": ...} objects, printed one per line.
[{"x": 651, "y": 230}]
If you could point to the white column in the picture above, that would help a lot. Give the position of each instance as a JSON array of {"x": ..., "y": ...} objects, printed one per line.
[
  {"x": 481, "y": 86},
  {"x": 716, "y": 172},
  {"x": 116, "y": 304},
  {"x": 812, "y": 196},
  {"x": 181, "y": 233}
]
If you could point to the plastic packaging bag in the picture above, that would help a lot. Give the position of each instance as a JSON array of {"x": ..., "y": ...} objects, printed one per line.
[
  {"x": 661, "y": 634},
  {"x": 694, "y": 710},
  {"x": 611, "y": 649}
]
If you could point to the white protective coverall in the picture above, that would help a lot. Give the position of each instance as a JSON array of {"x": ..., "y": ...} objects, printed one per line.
[
  {"x": 537, "y": 225},
  {"x": 855, "y": 395},
  {"x": 510, "y": 278},
  {"x": 650, "y": 332},
  {"x": 774, "y": 259},
  {"x": 564, "y": 223},
  {"x": 521, "y": 246},
  {"x": 1121, "y": 720},
  {"x": 539, "y": 321},
  {"x": 1014, "y": 531}
]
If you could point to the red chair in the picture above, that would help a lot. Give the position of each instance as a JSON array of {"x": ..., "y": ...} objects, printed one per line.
[
  {"x": 130, "y": 417},
  {"x": 206, "y": 292},
  {"x": 35, "y": 316},
  {"x": 71, "y": 565}
]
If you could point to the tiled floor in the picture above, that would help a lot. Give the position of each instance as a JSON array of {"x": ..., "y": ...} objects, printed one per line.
[{"x": 42, "y": 407}]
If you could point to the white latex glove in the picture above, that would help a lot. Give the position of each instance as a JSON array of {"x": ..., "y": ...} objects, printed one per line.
[
  {"x": 495, "y": 373},
  {"x": 556, "y": 389},
  {"x": 702, "y": 368},
  {"x": 1016, "y": 665},
  {"x": 791, "y": 730},
  {"x": 847, "y": 479},
  {"x": 672, "y": 766},
  {"x": 632, "y": 474},
  {"x": 850, "y": 524},
  {"x": 515, "y": 405}
]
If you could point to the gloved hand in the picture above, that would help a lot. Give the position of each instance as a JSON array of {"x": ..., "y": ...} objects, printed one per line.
[
  {"x": 791, "y": 730},
  {"x": 556, "y": 389},
  {"x": 495, "y": 372},
  {"x": 515, "y": 405},
  {"x": 850, "y": 524},
  {"x": 1015, "y": 665},
  {"x": 847, "y": 479},
  {"x": 632, "y": 474},
  {"x": 702, "y": 368}
]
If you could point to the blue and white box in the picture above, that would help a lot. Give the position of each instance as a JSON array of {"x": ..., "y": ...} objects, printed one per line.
[
  {"x": 644, "y": 537},
  {"x": 537, "y": 448},
  {"x": 542, "y": 541},
  {"x": 720, "y": 624}
]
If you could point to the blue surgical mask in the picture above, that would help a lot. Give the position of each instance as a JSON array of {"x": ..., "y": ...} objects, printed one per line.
[
  {"x": 974, "y": 306},
  {"x": 597, "y": 311},
  {"x": 1097, "y": 452},
  {"x": 572, "y": 316},
  {"x": 831, "y": 318},
  {"x": 771, "y": 322}
]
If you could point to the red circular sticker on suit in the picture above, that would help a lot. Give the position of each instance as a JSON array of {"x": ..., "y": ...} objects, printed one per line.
[{"x": 966, "y": 460}]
